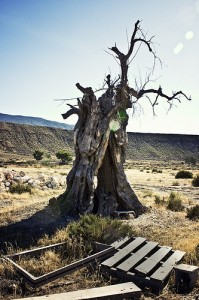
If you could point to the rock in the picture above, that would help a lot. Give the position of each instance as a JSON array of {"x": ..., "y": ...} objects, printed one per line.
[
  {"x": 25, "y": 179},
  {"x": 8, "y": 175},
  {"x": 2, "y": 187},
  {"x": 7, "y": 184},
  {"x": 31, "y": 181},
  {"x": 41, "y": 177},
  {"x": 17, "y": 179},
  {"x": 36, "y": 183},
  {"x": 48, "y": 184},
  {"x": 22, "y": 173}
]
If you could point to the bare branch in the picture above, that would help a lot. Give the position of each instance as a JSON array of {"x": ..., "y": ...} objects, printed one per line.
[
  {"x": 132, "y": 40},
  {"x": 135, "y": 54},
  {"x": 113, "y": 56},
  {"x": 159, "y": 92},
  {"x": 69, "y": 99},
  {"x": 70, "y": 112},
  {"x": 85, "y": 91}
]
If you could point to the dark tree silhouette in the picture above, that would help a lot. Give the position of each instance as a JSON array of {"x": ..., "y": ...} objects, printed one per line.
[{"x": 101, "y": 140}]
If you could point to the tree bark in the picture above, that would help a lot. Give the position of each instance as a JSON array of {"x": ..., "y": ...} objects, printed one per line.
[{"x": 100, "y": 142}]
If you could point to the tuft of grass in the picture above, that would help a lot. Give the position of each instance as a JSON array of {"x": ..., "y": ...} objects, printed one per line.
[
  {"x": 46, "y": 263},
  {"x": 147, "y": 193},
  {"x": 159, "y": 201},
  {"x": 175, "y": 202},
  {"x": 20, "y": 188},
  {"x": 193, "y": 213}
]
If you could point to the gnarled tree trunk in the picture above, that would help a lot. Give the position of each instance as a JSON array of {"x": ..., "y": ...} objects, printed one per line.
[{"x": 100, "y": 142}]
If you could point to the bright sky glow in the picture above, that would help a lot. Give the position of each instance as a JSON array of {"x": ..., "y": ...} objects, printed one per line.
[{"x": 48, "y": 46}]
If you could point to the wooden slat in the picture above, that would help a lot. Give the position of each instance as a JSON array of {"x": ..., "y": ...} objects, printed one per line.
[
  {"x": 117, "y": 257},
  {"x": 33, "y": 252},
  {"x": 153, "y": 260},
  {"x": 126, "y": 290},
  {"x": 51, "y": 276},
  {"x": 162, "y": 272},
  {"x": 119, "y": 243},
  {"x": 137, "y": 257}
]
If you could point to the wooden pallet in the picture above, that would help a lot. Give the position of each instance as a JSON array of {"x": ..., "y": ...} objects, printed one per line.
[{"x": 144, "y": 262}]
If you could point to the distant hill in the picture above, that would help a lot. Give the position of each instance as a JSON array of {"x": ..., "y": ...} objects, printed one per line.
[
  {"x": 22, "y": 140},
  {"x": 33, "y": 121}
]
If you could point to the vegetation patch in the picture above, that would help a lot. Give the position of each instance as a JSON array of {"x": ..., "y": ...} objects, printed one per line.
[
  {"x": 195, "y": 181},
  {"x": 93, "y": 228},
  {"x": 64, "y": 155},
  {"x": 175, "y": 202},
  {"x": 38, "y": 154},
  {"x": 184, "y": 174},
  {"x": 20, "y": 188},
  {"x": 193, "y": 213},
  {"x": 159, "y": 201}
]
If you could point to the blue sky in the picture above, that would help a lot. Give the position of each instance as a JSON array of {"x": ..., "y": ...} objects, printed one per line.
[{"x": 47, "y": 46}]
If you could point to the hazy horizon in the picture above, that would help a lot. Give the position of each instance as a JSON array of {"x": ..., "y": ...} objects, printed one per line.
[{"x": 61, "y": 122}]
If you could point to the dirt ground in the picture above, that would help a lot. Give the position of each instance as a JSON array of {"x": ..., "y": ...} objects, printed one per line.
[{"x": 166, "y": 227}]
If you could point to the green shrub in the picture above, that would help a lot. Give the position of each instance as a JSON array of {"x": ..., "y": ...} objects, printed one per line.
[
  {"x": 159, "y": 201},
  {"x": 184, "y": 174},
  {"x": 193, "y": 213},
  {"x": 195, "y": 181},
  {"x": 20, "y": 188},
  {"x": 93, "y": 228},
  {"x": 64, "y": 155},
  {"x": 38, "y": 154},
  {"x": 175, "y": 202}
]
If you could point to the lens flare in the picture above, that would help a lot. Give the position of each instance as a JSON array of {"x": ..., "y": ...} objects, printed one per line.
[
  {"x": 178, "y": 48},
  {"x": 189, "y": 35}
]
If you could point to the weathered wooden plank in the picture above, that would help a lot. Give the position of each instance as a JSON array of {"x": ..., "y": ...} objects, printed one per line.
[
  {"x": 41, "y": 280},
  {"x": 33, "y": 252},
  {"x": 117, "y": 244},
  {"x": 153, "y": 260},
  {"x": 137, "y": 257},
  {"x": 163, "y": 271},
  {"x": 126, "y": 290},
  {"x": 117, "y": 257}
]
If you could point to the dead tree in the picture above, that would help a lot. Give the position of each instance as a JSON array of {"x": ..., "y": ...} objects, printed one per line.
[{"x": 101, "y": 139}]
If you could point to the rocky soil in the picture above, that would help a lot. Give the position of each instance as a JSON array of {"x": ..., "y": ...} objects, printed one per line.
[{"x": 41, "y": 181}]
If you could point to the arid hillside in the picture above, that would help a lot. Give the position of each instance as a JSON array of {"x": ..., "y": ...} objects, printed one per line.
[
  {"x": 159, "y": 146},
  {"x": 34, "y": 121},
  {"x": 21, "y": 140}
]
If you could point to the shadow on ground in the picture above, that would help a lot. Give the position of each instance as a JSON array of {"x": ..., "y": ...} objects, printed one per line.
[{"x": 26, "y": 232}]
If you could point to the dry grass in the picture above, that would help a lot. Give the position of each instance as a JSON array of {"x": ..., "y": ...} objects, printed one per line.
[
  {"x": 46, "y": 263},
  {"x": 166, "y": 227}
]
